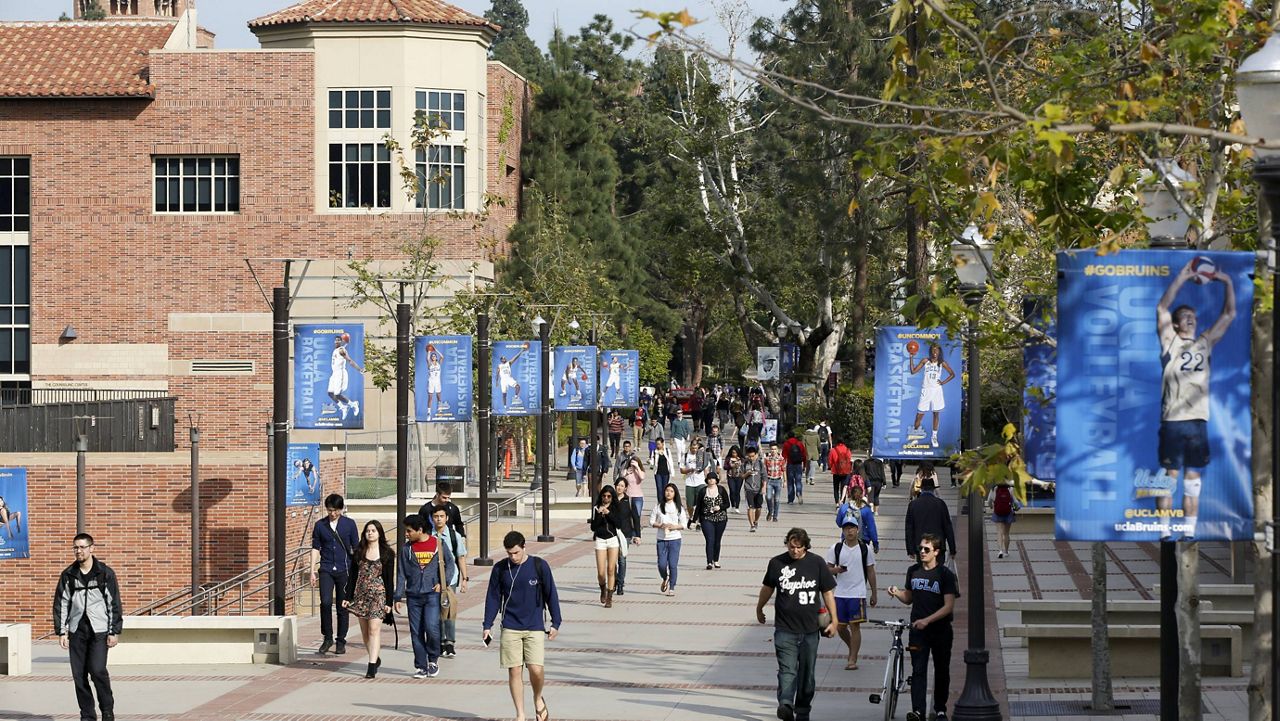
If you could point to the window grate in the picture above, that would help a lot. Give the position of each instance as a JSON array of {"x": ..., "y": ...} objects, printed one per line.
[{"x": 222, "y": 367}]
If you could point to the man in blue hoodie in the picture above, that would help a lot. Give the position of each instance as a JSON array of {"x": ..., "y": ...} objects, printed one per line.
[
  {"x": 418, "y": 585},
  {"x": 522, "y": 589}
]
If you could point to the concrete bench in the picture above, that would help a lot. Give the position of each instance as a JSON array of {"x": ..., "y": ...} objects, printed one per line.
[
  {"x": 206, "y": 639},
  {"x": 1064, "y": 651},
  {"x": 15, "y": 649},
  {"x": 1033, "y": 522},
  {"x": 1225, "y": 596},
  {"x": 1051, "y": 611}
]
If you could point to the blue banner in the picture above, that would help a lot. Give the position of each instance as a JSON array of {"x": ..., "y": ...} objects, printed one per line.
[
  {"x": 1153, "y": 396},
  {"x": 442, "y": 385},
  {"x": 573, "y": 377},
  {"x": 14, "y": 529},
  {"x": 328, "y": 376},
  {"x": 790, "y": 359},
  {"x": 917, "y": 403},
  {"x": 1039, "y": 395},
  {"x": 517, "y": 380},
  {"x": 302, "y": 488},
  {"x": 620, "y": 378}
]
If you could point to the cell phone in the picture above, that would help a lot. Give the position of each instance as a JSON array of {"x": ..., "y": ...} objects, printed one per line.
[{"x": 488, "y": 640}]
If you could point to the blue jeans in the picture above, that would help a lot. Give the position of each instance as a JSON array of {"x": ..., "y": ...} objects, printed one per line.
[
  {"x": 579, "y": 477},
  {"x": 424, "y": 628},
  {"x": 662, "y": 480},
  {"x": 713, "y": 532},
  {"x": 669, "y": 561},
  {"x": 638, "y": 502},
  {"x": 797, "y": 657},
  {"x": 772, "y": 492},
  {"x": 795, "y": 481}
]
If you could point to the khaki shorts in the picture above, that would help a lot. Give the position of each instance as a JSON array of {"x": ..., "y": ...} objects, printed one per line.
[{"x": 522, "y": 648}]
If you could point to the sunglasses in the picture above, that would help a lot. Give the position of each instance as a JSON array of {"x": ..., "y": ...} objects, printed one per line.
[{"x": 926, "y": 549}]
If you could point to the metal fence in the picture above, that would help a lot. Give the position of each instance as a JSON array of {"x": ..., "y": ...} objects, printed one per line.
[
  {"x": 436, "y": 451},
  {"x": 45, "y": 396},
  {"x": 143, "y": 425}
]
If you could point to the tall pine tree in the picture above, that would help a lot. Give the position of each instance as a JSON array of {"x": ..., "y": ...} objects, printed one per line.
[{"x": 512, "y": 46}]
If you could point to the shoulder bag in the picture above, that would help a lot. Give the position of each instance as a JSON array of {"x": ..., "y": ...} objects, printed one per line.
[{"x": 448, "y": 599}]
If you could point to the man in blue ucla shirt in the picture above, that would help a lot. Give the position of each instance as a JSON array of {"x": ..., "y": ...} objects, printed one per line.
[{"x": 931, "y": 590}]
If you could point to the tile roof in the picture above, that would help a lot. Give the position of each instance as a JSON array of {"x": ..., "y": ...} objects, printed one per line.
[
  {"x": 434, "y": 12},
  {"x": 94, "y": 59}
]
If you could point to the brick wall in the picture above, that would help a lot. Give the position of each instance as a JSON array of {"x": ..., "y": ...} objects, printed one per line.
[{"x": 139, "y": 513}]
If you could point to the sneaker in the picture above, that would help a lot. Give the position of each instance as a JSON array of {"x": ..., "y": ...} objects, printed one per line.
[
  {"x": 801, "y": 499},
  {"x": 786, "y": 713},
  {"x": 344, "y": 408},
  {"x": 942, "y": 716},
  {"x": 422, "y": 673},
  {"x": 448, "y": 651},
  {"x": 670, "y": 592},
  {"x": 341, "y": 649},
  {"x": 914, "y": 716},
  {"x": 934, "y": 440},
  {"x": 355, "y": 408},
  {"x": 708, "y": 566},
  {"x": 716, "y": 564},
  {"x": 753, "y": 528},
  {"x": 433, "y": 670},
  {"x": 736, "y": 511},
  {"x": 1000, "y": 554},
  {"x": 325, "y": 646}
]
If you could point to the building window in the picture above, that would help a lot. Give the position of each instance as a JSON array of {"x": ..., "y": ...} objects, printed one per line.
[
  {"x": 359, "y": 109},
  {"x": 442, "y": 175},
  {"x": 15, "y": 195},
  {"x": 359, "y": 175},
  {"x": 443, "y": 109},
  {"x": 15, "y": 309},
  {"x": 197, "y": 184}
]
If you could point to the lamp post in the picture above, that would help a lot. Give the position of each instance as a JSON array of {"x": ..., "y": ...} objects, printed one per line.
[
  {"x": 543, "y": 329},
  {"x": 574, "y": 327},
  {"x": 1258, "y": 88},
  {"x": 1167, "y": 225},
  {"x": 972, "y": 257}
]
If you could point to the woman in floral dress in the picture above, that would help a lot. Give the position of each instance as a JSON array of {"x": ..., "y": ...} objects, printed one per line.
[{"x": 371, "y": 589}]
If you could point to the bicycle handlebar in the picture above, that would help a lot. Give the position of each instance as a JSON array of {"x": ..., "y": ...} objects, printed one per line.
[{"x": 890, "y": 624}]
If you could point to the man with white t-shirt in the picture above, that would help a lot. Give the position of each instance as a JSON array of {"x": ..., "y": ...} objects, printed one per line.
[{"x": 854, "y": 566}]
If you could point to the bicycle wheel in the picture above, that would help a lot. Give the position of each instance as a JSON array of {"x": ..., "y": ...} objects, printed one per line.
[{"x": 895, "y": 681}]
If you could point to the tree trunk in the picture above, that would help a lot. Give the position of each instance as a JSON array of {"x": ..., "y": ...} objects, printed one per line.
[
  {"x": 1263, "y": 433},
  {"x": 858, "y": 309},
  {"x": 1102, "y": 697},
  {"x": 1189, "y": 632},
  {"x": 695, "y": 337}
]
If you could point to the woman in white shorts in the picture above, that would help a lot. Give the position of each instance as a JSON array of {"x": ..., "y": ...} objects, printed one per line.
[{"x": 604, "y": 529}]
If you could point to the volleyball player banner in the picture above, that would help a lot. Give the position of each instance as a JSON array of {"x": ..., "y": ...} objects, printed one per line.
[
  {"x": 573, "y": 377},
  {"x": 1154, "y": 435},
  {"x": 302, "y": 488},
  {"x": 1039, "y": 395},
  {"x": 620, "y": 378},
  {"x": 442, "y": 380},
  {"x": 917, "y": 404},
  {"x": 517, "y": 380},
  {"x": 328, "y": 375},
  {"x": 14, "y": 541}
]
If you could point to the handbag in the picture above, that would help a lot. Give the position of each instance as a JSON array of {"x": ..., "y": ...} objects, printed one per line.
[{"x": 448, "y": 599}]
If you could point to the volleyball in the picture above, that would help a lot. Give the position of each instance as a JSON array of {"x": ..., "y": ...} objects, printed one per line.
[
  {"x": 912, "y": 347},
  {"x": 1203, "y": 270}
]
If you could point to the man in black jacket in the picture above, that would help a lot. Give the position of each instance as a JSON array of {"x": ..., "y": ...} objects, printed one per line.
[
  {"x": 929, "y": 514},
  {"x": 442, "y": 499},
  {"x": 597, "y": 465},
  {"x": 88, "y": 617}
]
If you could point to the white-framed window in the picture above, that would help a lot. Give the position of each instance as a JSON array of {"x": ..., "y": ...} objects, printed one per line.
[
  {"x": 197, "y": 183},
  {"x": 359, "y": 175},
  {"x": 445, "y": 109},
  {"x": 15, "y": 195},
  {"x": 359, "y": 108},
  {"x": 15, "y": 268},
  {"x": 442, "y": 176}
]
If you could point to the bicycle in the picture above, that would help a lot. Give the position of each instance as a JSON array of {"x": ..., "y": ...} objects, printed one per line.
[{"x": 895, "y": 679}]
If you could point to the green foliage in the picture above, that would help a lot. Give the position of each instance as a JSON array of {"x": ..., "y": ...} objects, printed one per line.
[
  {"x": 654, "y": 356},
  {"x": 991, "y": 465},
  {"x": 849, "y": 413},
  {"x": 512, "y": 46},
  {"x": 93, "y": 11}
]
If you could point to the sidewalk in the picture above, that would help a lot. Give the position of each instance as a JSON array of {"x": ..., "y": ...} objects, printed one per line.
[{"x": 695, "y": 657}]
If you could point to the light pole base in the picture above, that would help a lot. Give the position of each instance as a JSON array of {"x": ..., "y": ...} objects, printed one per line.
[
  {"x": 976, "y": 701},
  {"x": 546, "y": 539},
  {"x": 482, "y": 561}
]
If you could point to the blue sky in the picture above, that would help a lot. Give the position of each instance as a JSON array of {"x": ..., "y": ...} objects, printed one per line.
[{"x": 228, "y": 18}]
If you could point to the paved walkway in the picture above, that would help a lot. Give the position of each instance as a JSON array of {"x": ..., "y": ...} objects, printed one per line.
[{"x": 695, "y": 657}]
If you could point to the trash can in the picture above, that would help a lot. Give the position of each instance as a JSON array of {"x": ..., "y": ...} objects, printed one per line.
[{"x": 455, "y": 475}]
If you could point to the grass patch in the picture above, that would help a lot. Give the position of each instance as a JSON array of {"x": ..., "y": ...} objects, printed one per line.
[{"x": 359, "y": 487}]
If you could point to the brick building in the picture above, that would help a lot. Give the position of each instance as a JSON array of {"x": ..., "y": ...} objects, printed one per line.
[{"x": 140, "y": 169}]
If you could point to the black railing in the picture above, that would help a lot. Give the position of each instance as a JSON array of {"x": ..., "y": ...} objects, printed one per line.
[
  {"x": 45, "y": 396},
  {"x": 139, "y": 425}
]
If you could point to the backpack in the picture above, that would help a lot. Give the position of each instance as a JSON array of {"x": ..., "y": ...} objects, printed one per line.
[
  {"x": 862, "y": 546},
  {"x": 1003, "y": 505},
  {"x": 856, "y": 480},
  {"x": 844, "y": 463},
  {"x": 795, "y": 454}
]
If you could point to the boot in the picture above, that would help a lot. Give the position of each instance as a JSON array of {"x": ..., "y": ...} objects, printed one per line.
[
  {"x": 603, "y": 593},
  {"x": 608, "y": 599},
  {"x": 618, "y": 592},
  {"x": 372, "y": 671}
]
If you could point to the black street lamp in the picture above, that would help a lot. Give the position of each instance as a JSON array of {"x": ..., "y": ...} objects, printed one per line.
[
  {"x": 543, "y": 328},
  {"x": 1258, "y": 88},
  {"x": 972, "y": 257}
]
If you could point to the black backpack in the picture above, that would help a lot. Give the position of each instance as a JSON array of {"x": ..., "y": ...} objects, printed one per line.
[{"x": 862, "y": 545}]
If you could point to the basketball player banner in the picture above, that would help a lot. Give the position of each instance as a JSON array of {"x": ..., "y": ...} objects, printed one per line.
[
  {"x": 303, "y": 485},
  {"x": 620, "y": 378},
  {"x": 517, "y": 380},
  {"x": 573, "y": 377},
  {"x": 1154, "y": 437},
  {"x": 1039, "y": 395},
  {"x": 328, "y": 376},
  {"x": 917, "y": 403},
  {"x": 442, "y": 379},
  {"x": 13, "y": 514}
]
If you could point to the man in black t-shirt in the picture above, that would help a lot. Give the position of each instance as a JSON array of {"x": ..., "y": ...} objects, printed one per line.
[
  {"x": 931, "y": 590},
  {"x": 805, "y": 586}
]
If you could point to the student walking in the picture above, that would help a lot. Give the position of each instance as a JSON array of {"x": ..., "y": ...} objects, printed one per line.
[
  {"x": 931, "y": 591},
  {"x": 733, "y": 468},
  {"x": 662, "y": 464},
  {"x": 604, "y": 530},
  {"x": 774, "y": 468},
  {"x": 457, "y": 580},
  {"x": 627, "y": 519},
  {"x": 753, "y": 479},
  {"x": 522, "y": 590},
  {"x": 421, "y": 570},
  {"x": 333, "y": 540},
  {"x": 694, "y": 468},
  {"x": 633, "y": 476},
  {"x": 805, "y": 586},
  {"x": 371, "y": 588},
  {"x": 578, "y": 462},
  {"x": 797, "y": 458},
  {"x": 853, "y": 565},
  {"x": 670, "y": 519},
  {"x": 929, "y": 514},
  {"x": 88, "y": 618},
  {"x": 1004, "y": 512},
  {"x": 840, "y": 459},
  {"x": 711, "y": 514}
]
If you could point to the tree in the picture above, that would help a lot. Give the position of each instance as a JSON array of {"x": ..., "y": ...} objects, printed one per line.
[
  {"x": 91, "y": 10},
  {"x": 512, "y": 46}
]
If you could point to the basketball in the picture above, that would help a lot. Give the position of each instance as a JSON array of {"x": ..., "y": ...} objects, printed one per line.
[
  {"x": 912, "y": 347},
  {"x": 1203, "y": 270},
  {"x": 584, "y": 376},
  {"x": 346, "y": 337}
]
